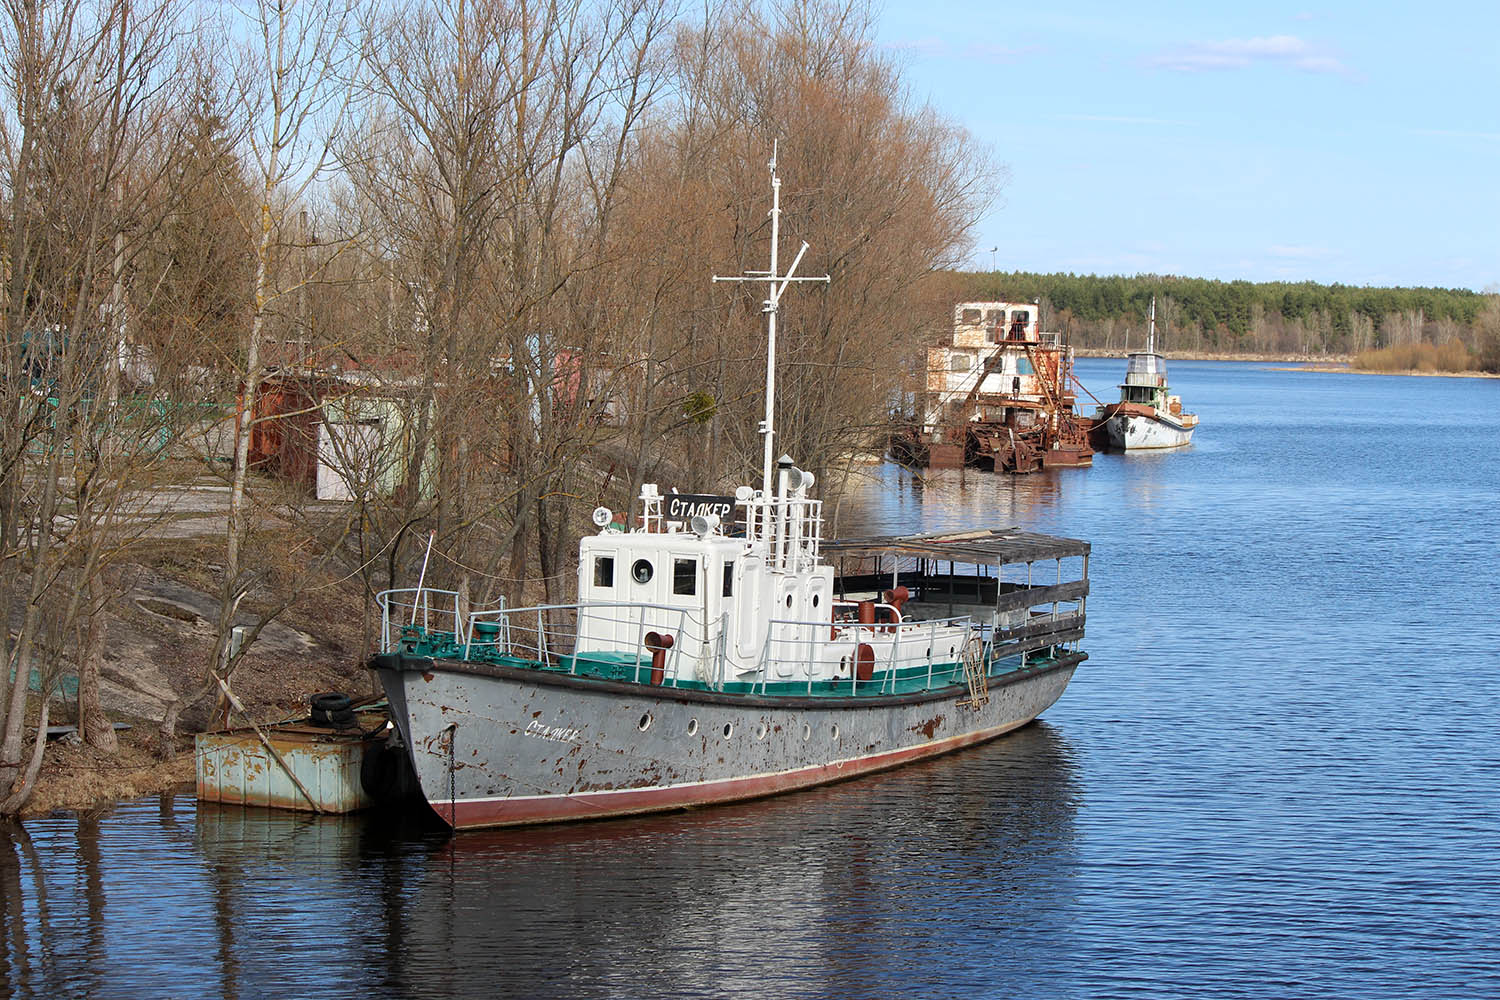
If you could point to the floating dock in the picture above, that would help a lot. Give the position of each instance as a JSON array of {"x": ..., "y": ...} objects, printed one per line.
[{"x": 310, "y": 764}]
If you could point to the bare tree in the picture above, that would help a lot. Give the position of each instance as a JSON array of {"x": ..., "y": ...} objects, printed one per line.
[
  {"x": 885, "y": 192},
  {"x": 86, "y": 140},
  {"x": 291, "y": 90}
]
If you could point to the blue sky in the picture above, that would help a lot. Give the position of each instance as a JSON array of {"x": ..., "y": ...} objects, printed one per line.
[{"x": 1334, "y": 142}]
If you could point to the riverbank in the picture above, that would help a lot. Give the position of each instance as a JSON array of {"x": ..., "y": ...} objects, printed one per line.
[
  {"x": 1339, "y": 364},
  {"x": 1347, "y": 370},
  {"x": 159, "y": 638},
  {"x": 1290, "y": 359},
  {"x": 76, "y": 776}
]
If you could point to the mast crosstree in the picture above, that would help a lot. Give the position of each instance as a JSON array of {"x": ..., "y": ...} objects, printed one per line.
[{"x": 777, "y": 284}]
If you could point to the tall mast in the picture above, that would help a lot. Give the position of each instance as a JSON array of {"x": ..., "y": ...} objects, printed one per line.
[
  {"x": 770, "y": 307},
  {"x": 1151, "y": 334}
]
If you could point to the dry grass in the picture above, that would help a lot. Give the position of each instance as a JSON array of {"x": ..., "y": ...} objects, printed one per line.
[
  {"x": 77, "y": 776},
  {"x": 1452, "y": 356}
]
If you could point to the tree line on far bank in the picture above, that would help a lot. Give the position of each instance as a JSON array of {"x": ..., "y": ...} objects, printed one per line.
[{"x": 1241, "y": 317}]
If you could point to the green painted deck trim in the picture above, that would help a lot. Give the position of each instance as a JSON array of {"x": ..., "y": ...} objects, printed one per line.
[{"x": 627, "y": 665}]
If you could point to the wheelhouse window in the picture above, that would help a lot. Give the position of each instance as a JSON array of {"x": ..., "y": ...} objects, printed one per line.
[
  {"x": 641, "y": 571},
  {"x": 604, "y": 571},
  {"x": 685, "y": 576},
  {"x": 729, "y": 578}
]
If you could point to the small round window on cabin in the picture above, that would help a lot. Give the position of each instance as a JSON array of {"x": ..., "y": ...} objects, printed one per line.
[
  {"x": 815, "y": 600},
  {"x": 692, "y": 727},
  {"x": 641, "y": 571},
  {"x": 788, "y": 600}
]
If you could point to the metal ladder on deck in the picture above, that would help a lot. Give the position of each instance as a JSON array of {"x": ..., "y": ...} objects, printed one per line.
[{"x": 976, "y": 674}]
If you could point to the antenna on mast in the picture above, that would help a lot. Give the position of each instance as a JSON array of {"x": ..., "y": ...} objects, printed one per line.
[{"x": 777, "y": 284}]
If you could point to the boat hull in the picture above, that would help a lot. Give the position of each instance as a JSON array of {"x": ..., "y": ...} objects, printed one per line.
[
  {"x": 1136, "y": 431},
  {"x": 501, "y": 746}
]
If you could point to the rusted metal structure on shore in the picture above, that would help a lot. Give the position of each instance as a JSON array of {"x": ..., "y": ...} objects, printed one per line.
[
  {"x": 1001, "y": 395},
  {"x": 320, "y": 763}
]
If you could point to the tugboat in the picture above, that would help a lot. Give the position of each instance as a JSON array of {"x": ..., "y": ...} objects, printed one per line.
[
  {"x": 1147, "y": 415},
  {"x": 999, "y": 397},
  {"x": 713, "y": 655}
]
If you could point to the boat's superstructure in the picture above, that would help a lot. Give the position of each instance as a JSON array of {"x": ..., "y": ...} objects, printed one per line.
[
  {"x": 999, "y": 395},
  {"x": 1147, "y": 415},
  {"x": 714, "y": 654}
]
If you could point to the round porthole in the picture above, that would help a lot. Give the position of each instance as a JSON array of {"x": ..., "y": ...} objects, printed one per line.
[
  {"x": 645, "y": 722},
  {"x": 692, "y": 727},
  {"x": 728, "y": 730},
  {"x": 788, "y": 600},
  {"x": 761, "y": 729},
  {"x": 806, "y": 731},
  {"x": 835, "y": 730},
  {"x": 641, "y": 571},
  {"x": 815, "y": 600}
]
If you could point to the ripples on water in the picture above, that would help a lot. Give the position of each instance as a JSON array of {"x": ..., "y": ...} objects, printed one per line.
[{"x": 1275, "y": 777}]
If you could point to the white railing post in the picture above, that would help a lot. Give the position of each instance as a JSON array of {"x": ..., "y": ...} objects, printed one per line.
[{"x": 385, "y": 626}]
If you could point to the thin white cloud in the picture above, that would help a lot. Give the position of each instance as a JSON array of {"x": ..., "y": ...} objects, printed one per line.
[
  {"x": 1450, "y": 133},
  {"x": 1243, "y": 53},
  {"x": 1295, "y": 252},
  {"x": 939, "y": 48},
  {"x": 1122, "y": 119},
  {"x": 1000, "y": 53},
  {"x": 930, "y": 47}
]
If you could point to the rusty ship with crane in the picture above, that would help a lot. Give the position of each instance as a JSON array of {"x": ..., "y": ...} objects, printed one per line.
[{"x": 1000, "y": 395}]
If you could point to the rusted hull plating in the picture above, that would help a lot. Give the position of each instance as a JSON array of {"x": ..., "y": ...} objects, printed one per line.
[{"x": 496, "y": 746}]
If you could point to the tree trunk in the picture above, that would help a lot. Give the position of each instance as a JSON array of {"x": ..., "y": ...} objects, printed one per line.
[
  {"x": 20, "y": 791},
  {"x": 93, "y": 725}
]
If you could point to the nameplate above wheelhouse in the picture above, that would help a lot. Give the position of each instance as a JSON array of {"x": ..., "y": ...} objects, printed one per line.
[{"x": 684, "y": 506}]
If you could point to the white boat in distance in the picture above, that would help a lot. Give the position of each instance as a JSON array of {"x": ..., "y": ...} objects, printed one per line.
[
  {"x": 713, "y": 654},
  {"x": 1147, "y": 415}
]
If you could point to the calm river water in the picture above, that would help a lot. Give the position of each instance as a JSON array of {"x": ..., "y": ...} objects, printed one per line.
[{"x": 1278, "y": 775}]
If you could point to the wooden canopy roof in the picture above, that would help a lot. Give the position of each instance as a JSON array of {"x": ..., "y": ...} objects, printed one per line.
[{"x": 983, "y": 547}]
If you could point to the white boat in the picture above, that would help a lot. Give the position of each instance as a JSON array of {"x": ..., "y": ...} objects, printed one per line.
[
  {"x": 713, "y": 654},
  {"x": 1147, "y": 415}
]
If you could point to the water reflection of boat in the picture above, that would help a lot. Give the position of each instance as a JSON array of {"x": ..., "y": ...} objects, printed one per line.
[
  {"x": 1147, "y": 416},
  {"x": 819, "y": 879}
]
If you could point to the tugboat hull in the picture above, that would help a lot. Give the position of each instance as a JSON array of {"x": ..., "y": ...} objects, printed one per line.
[{"x": 1125, "y": 431}]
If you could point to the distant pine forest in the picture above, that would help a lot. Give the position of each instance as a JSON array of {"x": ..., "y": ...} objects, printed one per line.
[{"x": 1377, "y": 328}]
